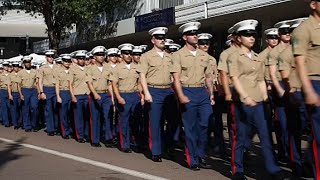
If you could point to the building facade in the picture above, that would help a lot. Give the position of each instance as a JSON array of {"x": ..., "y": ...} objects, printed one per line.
[
  {"x": 216, "y": 16},
  {"x": 18, "y": 32}
]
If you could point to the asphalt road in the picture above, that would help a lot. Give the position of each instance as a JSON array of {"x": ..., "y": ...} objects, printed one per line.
[{"x": 37, "y": 156}]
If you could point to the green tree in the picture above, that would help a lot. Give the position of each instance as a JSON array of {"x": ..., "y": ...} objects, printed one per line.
[{"x": 59, "y": 15}]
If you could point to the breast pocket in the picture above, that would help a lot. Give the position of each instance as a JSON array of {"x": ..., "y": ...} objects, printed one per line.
[
  {"x": 185, "y": 64},
  {"x": 123, "y": 76},
  {"x": 155, "y": 63}
]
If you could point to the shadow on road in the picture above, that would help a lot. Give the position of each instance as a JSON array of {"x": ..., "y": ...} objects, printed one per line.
[{"x": 8, "y": 152}]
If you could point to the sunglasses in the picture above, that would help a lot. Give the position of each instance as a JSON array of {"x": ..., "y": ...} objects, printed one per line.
[
  {"x": 285, "y": 31},
  {"x": 191, "y": 33},
  {"x": 100, "y": 54},
  {"x": 272, "y": 37},
  {"x": 67, "y": 61},
  {"x": 203, "y": 42},
  {"x": 113, "y": 55},
  {"x": 49, "y": 56},
  {"x": 159, "y": 37},
  {"x": 81, "y": 58},
  {"x": 248, "y": 34},
  {"x": 126, "y": 52},
  {"x": 136, "y": 54}
]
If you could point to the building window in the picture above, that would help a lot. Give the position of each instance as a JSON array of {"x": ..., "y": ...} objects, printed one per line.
[
  {"x": 163, "y": 4},
  {"x": 3, "y": 40}
]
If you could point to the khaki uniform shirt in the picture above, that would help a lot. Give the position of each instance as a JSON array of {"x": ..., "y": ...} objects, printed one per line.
[
  {"x": 13, "y": 79},
  {"x": 193, "y": 69},
  {"x": 213, "y": 63},
  {"x": 27, "y": 80},
  {"x": 127, "y": 78},
  {"x": 47, "y": 74},
  {"x": 4, "y": 81},
  {"x": 286, "y": 63},
  {"x": 263, "y": 55},
  {"x": 222, "y": 65},
  {"x": 306, "y": 42},
  {"x": 156, "y": 68},
  {"x": 99, "y": 78},
  {"x": 63, "y": 78},
  {"x": 79, "y": 79},
  {"x": 249, "y": 71},
  {"x": 273, "y": 58}
]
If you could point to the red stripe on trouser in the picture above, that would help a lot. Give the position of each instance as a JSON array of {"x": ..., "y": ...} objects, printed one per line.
[
  {"x": 291, "y": 148},
  {"x": 61, "y": 123},
  {"x": 315, "y": 149},
  {"x": 150, "y": 134},
  {"x": 234, "y": 137},
  {"x": 91, "y": 129},
  {"x": 188, "y": 155},
  {"x": 75, "y": 123},
  {"x": 120, "y": 129}
]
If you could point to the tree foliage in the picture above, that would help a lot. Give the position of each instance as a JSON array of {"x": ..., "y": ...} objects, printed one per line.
[{"x": 60, "y": 15}]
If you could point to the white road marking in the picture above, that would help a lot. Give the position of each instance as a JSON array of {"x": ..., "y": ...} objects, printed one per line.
[{"x": 88, "y": 161}]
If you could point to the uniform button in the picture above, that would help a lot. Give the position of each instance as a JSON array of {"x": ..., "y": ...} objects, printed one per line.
[{"x": 253, "y": 68}]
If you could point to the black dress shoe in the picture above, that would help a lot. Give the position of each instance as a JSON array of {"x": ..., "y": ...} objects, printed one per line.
[
  {"x": 66, "y": 137},
  {"x": 16, "y": 127},
  {"x": 6, "y": 125},
  {"x": 194, "y": 168},
  {"x": 28, "y": 130},
  {"x": 203, "y": 164},
  {"x": 35, "y": 130},
  {"x": 238, "y": 176},
  {"x": 95, "y": 144},
  {"x": 279, "y": 176},
  {"x": 128, "y": 150},
  {"x": 156, "y": 158},
  {"x": 110, "y": 143},
  {"x": 50, "y": 133},
  {"x": 81, "y": 141}
]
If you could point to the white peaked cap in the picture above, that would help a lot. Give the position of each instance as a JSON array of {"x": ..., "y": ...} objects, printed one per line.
[
  {"x": 58, "y": 59},
  {"x": 190, "y": 26},
  {"x": 65, "y": 56},
  {"x": 98, "y": 49},
  {"x": 296, "y": 22},
  {"x": 137, "y": 49},
  {"x": 206, "y": 36},
  {"x": 228, "y": 42},
  {"x": 167, "y": 42},
  {"x": 231, "y": 30},
  {"x": 81, "y": 53},
  {"x": 158, "y": 30},
  {"x": 283, "y": 24},
  {"x": 144, "y": 47},
  {"x": 50, "y": 52},
  {"x": 126, "y": 47},
  {"x": 174, "y": 46},
  {"x": 27, "y": 58},
  {"x": 271, "y": 32},
  {"x": 245, "y": 25},
  {"x": 113, "y": 51}
]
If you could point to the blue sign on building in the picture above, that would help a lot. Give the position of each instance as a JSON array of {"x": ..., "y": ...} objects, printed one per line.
[{"x": 146, "y": 22}]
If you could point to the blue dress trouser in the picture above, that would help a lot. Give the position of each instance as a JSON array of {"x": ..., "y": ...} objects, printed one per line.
[
  {"x": 81, "y": 115},
  {"x": 126, "y": 113},
  {"x": 156, "y": 114},
  {"x": 195, "y": 116},
  {"x": 64, "y": 112},
  {"x": 255, "y": 117},
  {"x": 314, "y": 114},
  {"x": 30, "y": 108},
  {"x": 5, "y": 106},
  {"x": 14, "y": 108},
  {"x": 100, "y": 113},
  {"x": 51, "y": 110}
]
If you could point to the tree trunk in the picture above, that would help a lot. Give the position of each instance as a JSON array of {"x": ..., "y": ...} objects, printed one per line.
[{"x": 54, "y": 38}]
